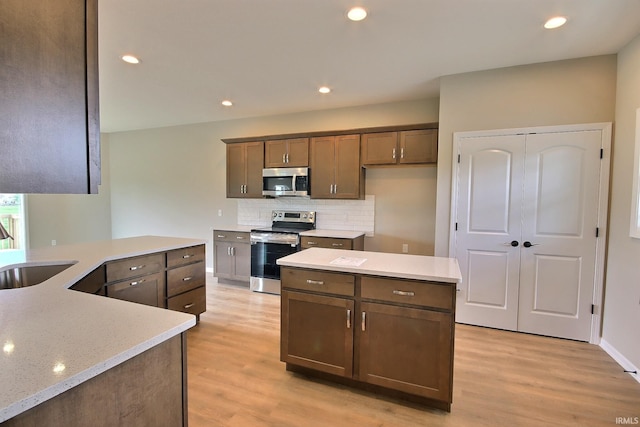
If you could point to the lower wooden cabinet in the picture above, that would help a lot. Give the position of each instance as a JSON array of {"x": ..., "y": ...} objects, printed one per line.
[
  {"x": 390, "y": 334},
  {"x": 174, "y": 280},
  {"x": 232, "y": 255}
]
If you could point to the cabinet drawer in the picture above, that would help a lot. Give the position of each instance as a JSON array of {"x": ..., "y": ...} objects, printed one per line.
[
  {"x": 325, "y": 242},
  {"x": 185, "y": 256},
  {"x": 428, "y": 294},
  {"x": 185, "y": 278},
  {"x": 318, "y": 281},
  {"x": 148, "y": 290},
  {"x": 194, "y": 301},
  {"x": 230, "y": 236},
  {"x": 134, "y": 267}
]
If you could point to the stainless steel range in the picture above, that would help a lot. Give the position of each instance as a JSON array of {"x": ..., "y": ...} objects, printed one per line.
[{"x": 269, "y": 244}]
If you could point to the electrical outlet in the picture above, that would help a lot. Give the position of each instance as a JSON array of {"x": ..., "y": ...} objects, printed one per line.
[
  {"x": 405, "y": 248},
  {"x": 53, "y": 243},
  {"x": 219, "y": 212}
]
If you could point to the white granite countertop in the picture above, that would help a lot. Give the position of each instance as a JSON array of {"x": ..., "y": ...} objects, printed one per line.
[
  {"x": 337, "y": 234},
  {"x": 402, "y": 266},
  {"x": 54, "y": 338}
]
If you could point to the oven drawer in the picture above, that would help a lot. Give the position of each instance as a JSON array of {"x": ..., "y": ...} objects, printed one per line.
[{"x": 318, "y": 281}]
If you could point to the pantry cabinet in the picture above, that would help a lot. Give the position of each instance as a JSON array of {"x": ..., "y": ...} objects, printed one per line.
[
  {"x": 400, "y": 147},
  {"x": 287, "y": 153},
  {"x": 335, "y": 167},
  {"x": 49, "y": 109},
  {"x": 244, "y": 169},
  {"x": 384, "y": 334}
]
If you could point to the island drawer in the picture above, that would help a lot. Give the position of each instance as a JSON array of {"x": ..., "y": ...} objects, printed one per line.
[
  {"x": 185, "y": 256},
  {"x": 194, "y": 301},
  {"x": 185, "y": 278},
  {"x": 326, "y": 242},
  {"x": 134, "y": 267},
  {"x": 148, "y": 290},
  {"x": 231, "y": 236},
  {"x": 428, "y": 294},
  {"x": 318, "y": 281}
]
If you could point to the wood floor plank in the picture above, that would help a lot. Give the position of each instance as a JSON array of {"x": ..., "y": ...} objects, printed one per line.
[{"x": 501, "y": 378}]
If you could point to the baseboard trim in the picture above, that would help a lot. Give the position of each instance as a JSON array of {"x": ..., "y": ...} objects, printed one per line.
[{"x": 618, "y": 357}]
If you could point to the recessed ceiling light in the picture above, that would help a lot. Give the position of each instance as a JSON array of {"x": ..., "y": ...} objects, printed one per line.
[
  {"x": 357, "y": 13},
  {"x": 324, "y": 89},
  {"x": 227, "y": 103},
  {"x": 555, "y": 22},
  {"x": 130, "y": 59}
]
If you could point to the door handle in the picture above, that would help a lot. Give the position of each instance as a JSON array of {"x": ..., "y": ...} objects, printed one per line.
[
  {"x": 528, "y": 244},
  {"x": 514, "y": 243},
  {"x": 348, "y": 319},
  {"x": 364, "y": 321}
]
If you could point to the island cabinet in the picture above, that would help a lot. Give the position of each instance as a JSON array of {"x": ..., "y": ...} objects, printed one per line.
[
  {"x": 186, "y": 290},
  {"x": 418, "y": 146},
  {"x": 245, "y": 162},
  {"x": 49, "y": 109},
  {"x": 386, "y": 335},
  {"x": 232, "y": 255},
  {"x": 287, "y": 153},
  {"x": 138, "y": 279},
  {"x": 335, "y": 167}
]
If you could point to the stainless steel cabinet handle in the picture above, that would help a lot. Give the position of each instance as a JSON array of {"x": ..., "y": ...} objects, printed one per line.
[
  {"x": 229, "y": 250},
  {"x": 402, "y": 153},
  {"x": 189, "y": 305},
  {"x": 337, "y": 244},
  {"x": 137, "y": 267},
  {"x": 222, "y": 236},
  {"x": 364, "y": 321},
  {"x": 186, "y": 279},
  {"x": 284, "y": 158},
  {"x": 348, "y": 319},
  {"x": 393, "y": 154},
  {"x": 315, "y": 282},
  {"x": 137, "y": 282},
  {"x": 233, "y": 251},
  {"x": 311, "y": 243},
  {"x": 287, "y": 161},
  {"x": 186, "y": 256},
  {"x": 240, "y": 237},
  {"x": 404, "y": 293}
]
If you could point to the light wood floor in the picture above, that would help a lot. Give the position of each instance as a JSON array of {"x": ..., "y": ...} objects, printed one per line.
[{"x": 501, "y": 378}]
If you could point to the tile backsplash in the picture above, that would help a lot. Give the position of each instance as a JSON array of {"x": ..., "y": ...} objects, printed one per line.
[{"x": 349, "y": 215}]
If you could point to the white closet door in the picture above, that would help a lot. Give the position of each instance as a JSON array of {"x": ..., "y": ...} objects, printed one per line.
[
  {"x": 489, "y": 219},
  {"x": 560, "y": 216}
]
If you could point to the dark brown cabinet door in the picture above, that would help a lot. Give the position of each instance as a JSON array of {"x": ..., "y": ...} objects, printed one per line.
[
  {"x": 418, "y": 146},
  {"x": 290, "y": 153},
  {"x": 380, "y": 148},
  {"x": 244, "y": 169},
  {"x": 406, "y": 349},
  {"x": 335, "y": 168},
  {"x": 317, "y": 332},
  {"x": 49, "y": 119}
]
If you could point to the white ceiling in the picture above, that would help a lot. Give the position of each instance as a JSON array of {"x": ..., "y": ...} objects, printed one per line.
[{"x": 270, "y": 56}]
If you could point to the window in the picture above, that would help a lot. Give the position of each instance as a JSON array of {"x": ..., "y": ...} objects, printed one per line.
[
  {"x": 13, "y": 220},
  {"x": 635, "y": 196}
]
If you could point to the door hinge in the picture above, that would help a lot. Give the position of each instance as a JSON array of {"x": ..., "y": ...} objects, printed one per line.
[
  {"x": 458, "y": 158},
  {"x": 597, "y": 231},
  {"x": 456, "y": 226},
  {"x": 593, "y": 308},
  {"x": 602, "y": 153}
]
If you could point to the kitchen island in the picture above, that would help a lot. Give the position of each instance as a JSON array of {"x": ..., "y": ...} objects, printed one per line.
[
  {"x": 378, "y": 321},
  {"x": 73, "y": 358}
]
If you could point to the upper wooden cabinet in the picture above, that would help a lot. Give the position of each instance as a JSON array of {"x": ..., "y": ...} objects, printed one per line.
[
  {"x": 401, "y": 147},
  {"x": 49, "y": 118},
  {"x": 335, "y": 167},
  {"x": 290, "y": 153},
  {"x": 244, "y": 169}
]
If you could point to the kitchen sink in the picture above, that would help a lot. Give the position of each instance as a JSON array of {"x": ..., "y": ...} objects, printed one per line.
[{"x": 21, "y": 277}]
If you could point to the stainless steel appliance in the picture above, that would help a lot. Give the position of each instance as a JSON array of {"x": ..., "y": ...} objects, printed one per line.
[
  {"x": 269, "y": 244},
  {"x": 277, "y": 182}
]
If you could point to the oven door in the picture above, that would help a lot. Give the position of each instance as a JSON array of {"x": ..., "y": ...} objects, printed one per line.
[{"x": 265, "y": 273}]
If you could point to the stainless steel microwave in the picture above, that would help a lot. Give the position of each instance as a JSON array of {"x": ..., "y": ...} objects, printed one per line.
[{"x": 278, "y": 182}]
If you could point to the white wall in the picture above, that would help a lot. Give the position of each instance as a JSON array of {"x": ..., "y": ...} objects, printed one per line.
[
  {"x": 622, "y": 297},
  {"x": 172, "y": 181},
  {"x": 71, "y": 218}
]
